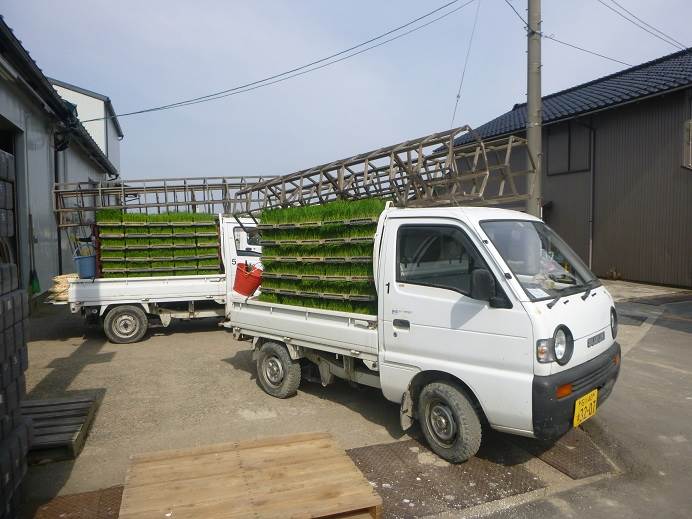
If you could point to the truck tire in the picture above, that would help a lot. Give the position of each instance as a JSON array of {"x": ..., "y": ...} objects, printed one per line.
[
  {"x": 125, "y": 324},
  {"x": 277, "y": 372},
  {"x": 449, "y": 422}
]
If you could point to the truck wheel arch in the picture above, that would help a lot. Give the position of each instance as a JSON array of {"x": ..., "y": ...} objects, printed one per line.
[
  {"x": 107, "y": 308},
  {"x": 424, "y": 378}
]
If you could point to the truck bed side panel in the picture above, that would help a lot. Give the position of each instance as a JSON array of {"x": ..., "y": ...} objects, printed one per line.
[{"x": 308, "y": 327}]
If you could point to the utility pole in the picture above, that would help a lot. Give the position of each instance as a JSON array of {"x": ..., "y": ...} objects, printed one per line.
[{"x": 534, "y": 110}]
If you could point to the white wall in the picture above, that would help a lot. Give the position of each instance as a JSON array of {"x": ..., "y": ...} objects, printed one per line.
[
  {"x": 88, "y": 108},
  {"x": 113, "y": 144}
]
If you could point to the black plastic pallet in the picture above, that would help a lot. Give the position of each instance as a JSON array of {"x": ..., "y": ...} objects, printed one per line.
[{"x": 60, "y": 426}]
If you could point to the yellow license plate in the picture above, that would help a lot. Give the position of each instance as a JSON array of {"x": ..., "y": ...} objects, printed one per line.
[{"x": 585, "y": 407}]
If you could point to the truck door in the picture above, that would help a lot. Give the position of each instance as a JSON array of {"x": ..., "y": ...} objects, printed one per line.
[
  {"x": 239, "y": 246},
  {"x": 430, "y": 321}
]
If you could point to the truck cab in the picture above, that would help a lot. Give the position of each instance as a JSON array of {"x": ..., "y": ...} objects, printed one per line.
[{"x": 496, "y": 302}]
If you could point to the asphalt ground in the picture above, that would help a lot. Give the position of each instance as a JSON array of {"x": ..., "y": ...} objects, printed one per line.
[{"x": 192, "y": 384}]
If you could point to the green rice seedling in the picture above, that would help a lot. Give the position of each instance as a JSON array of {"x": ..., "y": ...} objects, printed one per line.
[
  {"x": 112, "y": 275},
  {"x": 185, "y": 263},
  {"x": 161, "y": 254},
  {"x": 161, "y": 241},
  {"x": 138, "y": 274},
  {"x": 204, "y": 218},
  {"x": 184, "y": 241},
  {"x": 113, "y": 243},
  {"x": 180, "y": 218},
  {"x": 185, "y": 253},
  {"x": 208, "y": 263},
  {"x": 138, "y": 255},
  {"x": 134, "y": 218},
  {"x": 336, "y": 211},
  {"x": 160, "y": 231},
  {"x": 113, "y": 254},
  {"x": 206, "y": 229},
  {"x": 116, "y": 265},
  {"x": 137, "y": 242},
  {"x": 158, "y": 218},
  {"x": 209, "y": 241},
  {"x": 339, "y": 250},
  {"x": 167, "y": 264},
  {"x": 207, "y": 251},
  {"x": 112, "y": 231},
  {"x": 183, "y": 229},
  {"x": 136, "y": 230},
  {"x": 109, "y": 216}
]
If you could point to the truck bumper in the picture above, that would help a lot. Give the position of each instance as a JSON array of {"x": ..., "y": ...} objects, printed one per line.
[{"x": 552, "y": 416}]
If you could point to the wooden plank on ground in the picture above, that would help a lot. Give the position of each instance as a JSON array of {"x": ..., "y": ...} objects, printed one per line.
[
  {"x": 299, "y": 476},
  {"x": 60, "y": 426}
]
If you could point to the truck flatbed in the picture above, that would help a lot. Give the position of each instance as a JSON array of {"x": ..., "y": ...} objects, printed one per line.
[{"x": 344, "y": 333}]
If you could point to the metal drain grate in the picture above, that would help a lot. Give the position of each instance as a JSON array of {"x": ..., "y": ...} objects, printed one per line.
[
  {"x": 574, "y": 454},
  {"x": 414, "y": 482}
]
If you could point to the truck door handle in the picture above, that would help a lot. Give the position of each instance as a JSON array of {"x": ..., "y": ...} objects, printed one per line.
[{"x": 402, "y": 323}]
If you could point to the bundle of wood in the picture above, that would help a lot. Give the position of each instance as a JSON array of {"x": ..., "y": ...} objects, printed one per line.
[{"x": 60, "y": 286}]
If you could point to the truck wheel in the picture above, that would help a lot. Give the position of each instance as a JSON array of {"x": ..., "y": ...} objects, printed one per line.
[
  {"x": 125, "y": 324},
  {"x": 277, "y": 372},
  {"x": 449, "y": 421}
]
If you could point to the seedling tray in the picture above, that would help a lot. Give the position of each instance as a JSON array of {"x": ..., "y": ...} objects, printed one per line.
[
  {"x": 322, "y": 259},
  {"x": 315, "y": 277},
  {"x": 353, "y": 221},
  {"x": 323, "y": 241},
  {"x": 319, "y": 295}
]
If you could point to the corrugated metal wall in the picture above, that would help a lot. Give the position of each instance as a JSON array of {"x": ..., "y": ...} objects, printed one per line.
[{"x": 643, "y": 195}]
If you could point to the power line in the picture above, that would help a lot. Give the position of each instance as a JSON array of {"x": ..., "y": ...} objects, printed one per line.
[
  {"x": 572, "y": 45},
  {"x": 303, "y": 69},
  {"x": 562, "y": 42},
  {"x": 665, "y": 39},
  {"x": 466, "y": 62},
  {"x": 682, "y": 45}
]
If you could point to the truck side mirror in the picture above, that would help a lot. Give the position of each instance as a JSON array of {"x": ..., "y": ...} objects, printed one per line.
[{"x": 482, "y": 285}]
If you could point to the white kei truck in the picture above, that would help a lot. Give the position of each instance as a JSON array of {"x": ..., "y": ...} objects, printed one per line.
[
  {"x": 485, "y": 316},
  {"x": 126, "y": 307}
]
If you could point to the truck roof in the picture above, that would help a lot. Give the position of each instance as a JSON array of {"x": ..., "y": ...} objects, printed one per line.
[{"x": 470, "y": 213}]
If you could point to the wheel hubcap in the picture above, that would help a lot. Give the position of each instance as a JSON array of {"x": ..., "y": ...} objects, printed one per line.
[
  {"x": 126, "y": 325},
  {"x": 442, "y": 423},
  {"x": 273, "y": 370}
]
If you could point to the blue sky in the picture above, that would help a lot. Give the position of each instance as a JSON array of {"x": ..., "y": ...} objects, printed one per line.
[{"x": 144, "y": 53}]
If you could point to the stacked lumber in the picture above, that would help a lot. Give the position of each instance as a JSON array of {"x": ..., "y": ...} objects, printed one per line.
[
  {"x": 321, "y": 256},
  {"x": 304, "y": 475}
]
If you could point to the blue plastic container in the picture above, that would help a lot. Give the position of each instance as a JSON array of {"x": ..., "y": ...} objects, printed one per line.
[{"x": 86, "y": 265}]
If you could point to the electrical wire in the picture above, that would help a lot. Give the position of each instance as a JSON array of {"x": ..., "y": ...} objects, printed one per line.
[
  {"x": 665, "y": 38},
  {"x": 304, "y": 69},
  {"x": 562, "y": 42},
  {"x": 466, "y": 62},
  {"x": 682, "y": 45}
]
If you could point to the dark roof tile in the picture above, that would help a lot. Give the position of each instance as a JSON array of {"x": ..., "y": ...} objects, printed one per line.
[{"x": 652, "y": 78}]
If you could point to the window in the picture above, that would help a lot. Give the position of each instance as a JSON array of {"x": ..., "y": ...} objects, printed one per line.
[
  {"x": 569, "y": 146},
  {"x": 688, "y": 145},
  {"x": 438, "y": 256}
]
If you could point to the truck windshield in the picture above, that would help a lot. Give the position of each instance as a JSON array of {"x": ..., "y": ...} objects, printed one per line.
[{"x": 542, "y": 262}]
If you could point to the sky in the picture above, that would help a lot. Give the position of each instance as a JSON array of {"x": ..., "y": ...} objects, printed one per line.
[{"x": 148, "y": 53}]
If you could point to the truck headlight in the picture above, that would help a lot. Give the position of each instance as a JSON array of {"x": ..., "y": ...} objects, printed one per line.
[
  {"x": 563, "y": 345},
  {"x": 613, "y": 322}
]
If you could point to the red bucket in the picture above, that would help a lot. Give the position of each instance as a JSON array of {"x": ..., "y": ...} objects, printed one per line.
[{"x": 247, "y": 279}]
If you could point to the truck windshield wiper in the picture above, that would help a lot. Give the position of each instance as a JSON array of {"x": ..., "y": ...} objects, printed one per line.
[
  {"x": 554, "y": 302},
  {"x": 586, "y": 294}
]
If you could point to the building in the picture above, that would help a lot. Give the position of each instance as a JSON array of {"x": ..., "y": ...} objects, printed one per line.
[
  {"x": 41, "y": 142},
  {"x": 99, "y": 114},
  {"x": 617, "y": 169}
]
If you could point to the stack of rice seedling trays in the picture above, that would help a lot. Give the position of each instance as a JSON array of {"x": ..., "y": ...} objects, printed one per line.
[
  {"x": 320, "y": 256},
  {"x": 15, "y": 431},
  {"x": 166, "y": 244}
]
